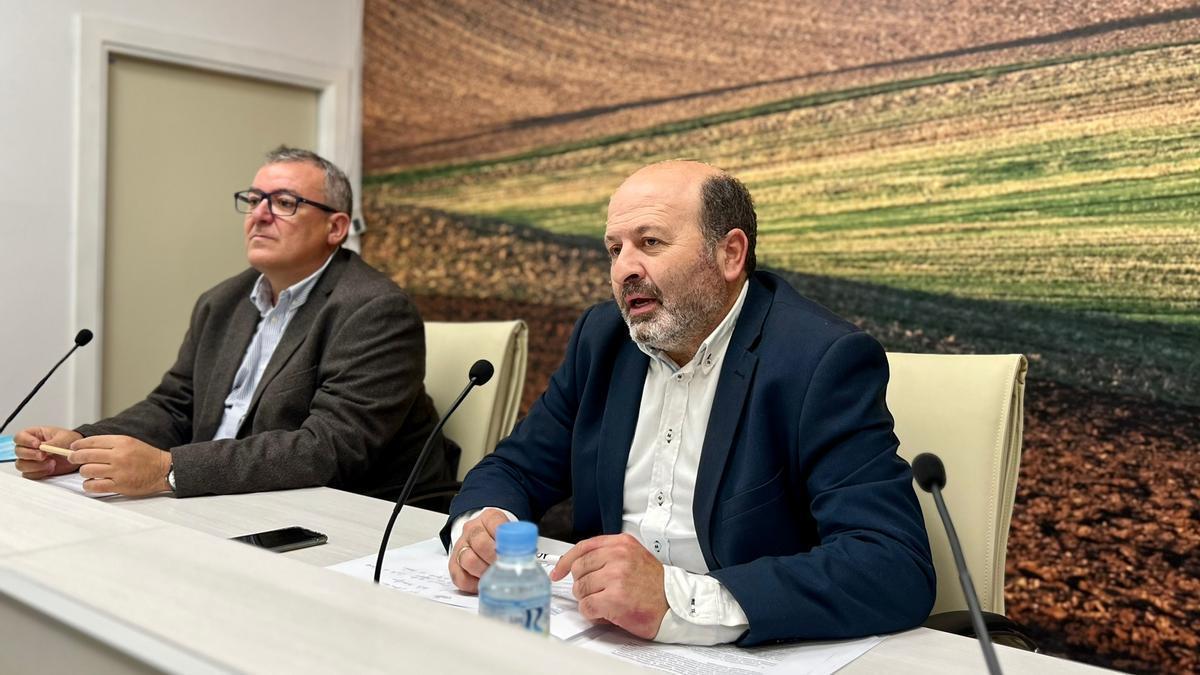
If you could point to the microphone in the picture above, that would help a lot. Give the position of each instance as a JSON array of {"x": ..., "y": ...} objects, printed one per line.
[
  {"x": 478, "y": 376},
  {"x": 930, "y": 475},
  {"x": 81, "y": 338}
]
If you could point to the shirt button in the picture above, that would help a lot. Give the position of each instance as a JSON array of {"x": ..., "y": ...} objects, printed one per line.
[
  {"x": 679, "y": 376},
  {"x": 670, "y": 434},
  {"x": 659, "y": 497},
  {"x": 657, "y": 546}
]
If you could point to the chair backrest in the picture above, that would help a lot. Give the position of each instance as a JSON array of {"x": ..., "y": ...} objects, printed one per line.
[
  {"x": 489, "y": 413},
  {"x": 968, "y": 410}
]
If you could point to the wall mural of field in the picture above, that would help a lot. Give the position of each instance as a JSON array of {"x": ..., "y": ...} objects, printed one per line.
[{"x": 1018, "y": 177}]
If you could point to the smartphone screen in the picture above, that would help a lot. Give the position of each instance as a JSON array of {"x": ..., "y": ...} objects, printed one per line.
[{"x": 286, "y": 539}]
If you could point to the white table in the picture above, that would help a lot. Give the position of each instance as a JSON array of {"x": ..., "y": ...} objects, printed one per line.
[
  {"x": 181, "y": 599},
  {"x": 161, "y": 566}
]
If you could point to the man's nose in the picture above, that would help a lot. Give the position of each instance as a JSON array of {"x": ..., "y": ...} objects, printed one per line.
[
  {"x": 627, "y": 266},
  {"x": 262, "y": 212}
]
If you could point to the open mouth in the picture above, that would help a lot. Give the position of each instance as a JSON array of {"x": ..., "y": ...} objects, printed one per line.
[{"x": 640, "y": 304}]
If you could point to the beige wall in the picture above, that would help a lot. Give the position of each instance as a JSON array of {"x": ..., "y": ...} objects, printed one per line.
[{"x": 181, "y": 142}]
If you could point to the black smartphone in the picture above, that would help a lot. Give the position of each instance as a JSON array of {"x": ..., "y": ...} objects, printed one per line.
[{"x": 286, "y": 539}]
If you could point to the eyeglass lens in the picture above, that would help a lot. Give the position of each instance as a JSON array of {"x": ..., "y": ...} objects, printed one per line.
[{"x": 281, "y": 204}]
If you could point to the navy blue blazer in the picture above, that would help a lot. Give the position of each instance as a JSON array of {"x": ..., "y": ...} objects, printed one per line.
[{"x": 803, "y": 509}]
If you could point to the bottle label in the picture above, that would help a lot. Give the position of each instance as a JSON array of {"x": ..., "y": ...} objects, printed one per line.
[{"x": 532, "y": 614}]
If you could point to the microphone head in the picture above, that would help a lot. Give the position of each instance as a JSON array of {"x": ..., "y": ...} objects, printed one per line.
[
  {"x": 928, "y": 471},
  {"x": 83, "y": 337},
  {"x": 481, "y": 372}
]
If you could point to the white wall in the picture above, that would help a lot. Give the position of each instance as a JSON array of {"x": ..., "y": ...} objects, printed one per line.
[{"x": 39, "y": 103}]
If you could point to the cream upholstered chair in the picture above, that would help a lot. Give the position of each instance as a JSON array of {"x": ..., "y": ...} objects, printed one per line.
[
  {"x": 967, "y": 410},
  {"x": 488, "y": 414}
]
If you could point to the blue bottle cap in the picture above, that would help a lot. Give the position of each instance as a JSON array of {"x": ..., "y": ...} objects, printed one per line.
[{"x": 519, "y": 538}]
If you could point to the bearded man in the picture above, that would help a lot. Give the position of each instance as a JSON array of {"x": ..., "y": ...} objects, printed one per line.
[{"x": 726, "y": 443}]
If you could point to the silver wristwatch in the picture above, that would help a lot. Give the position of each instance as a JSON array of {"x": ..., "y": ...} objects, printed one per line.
[{"x": 171, "y": 478}]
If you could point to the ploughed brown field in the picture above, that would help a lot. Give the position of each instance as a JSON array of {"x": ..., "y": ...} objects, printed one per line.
[
  {"x": 456, "y": 80},
  {"x": 1104, "y": 552}
]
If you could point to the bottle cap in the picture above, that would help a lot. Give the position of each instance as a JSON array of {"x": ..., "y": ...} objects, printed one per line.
[{"x": 519, "y": 538}]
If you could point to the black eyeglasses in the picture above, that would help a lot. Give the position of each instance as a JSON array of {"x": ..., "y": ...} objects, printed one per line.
[{"x": 279, "y": 202}]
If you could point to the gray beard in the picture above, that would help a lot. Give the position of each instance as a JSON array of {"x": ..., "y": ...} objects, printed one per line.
[{"x": 687, "y": 319}]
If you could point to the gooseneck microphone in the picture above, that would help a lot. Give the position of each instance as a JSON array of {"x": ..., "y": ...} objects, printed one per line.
[
  {"x": 479, "y": 375},
  {"x": 81, "y": 338},
  {"x": 930, "y": 475}
]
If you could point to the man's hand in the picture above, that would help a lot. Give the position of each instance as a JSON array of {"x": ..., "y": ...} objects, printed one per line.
[
  {"x": 617, "y": 580},
  {"x": 35, "y": 464},
  {"x": 121, "y": 464},
  {"x": 475, "y": 550}
]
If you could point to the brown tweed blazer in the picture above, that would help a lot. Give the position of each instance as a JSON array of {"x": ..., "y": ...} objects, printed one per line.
[{"x": 341, "y": 403}]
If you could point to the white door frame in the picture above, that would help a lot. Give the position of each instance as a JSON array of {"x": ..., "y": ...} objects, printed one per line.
[{"x": 338, "y": 135}]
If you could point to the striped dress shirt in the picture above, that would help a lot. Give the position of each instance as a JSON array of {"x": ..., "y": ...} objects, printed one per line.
[{"x": 272, "y": 323}]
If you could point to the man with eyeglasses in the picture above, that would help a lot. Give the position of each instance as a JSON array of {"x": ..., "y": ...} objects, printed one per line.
[{"x": 306, "y": 369}]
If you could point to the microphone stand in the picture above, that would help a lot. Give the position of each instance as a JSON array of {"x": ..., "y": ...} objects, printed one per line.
[
  {"x": 931, "y": 476},
  {"x": 481, "y": 372},
  {"x": 82, "y": 338}
]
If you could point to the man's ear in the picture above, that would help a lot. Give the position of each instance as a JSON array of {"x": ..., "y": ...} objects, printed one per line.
[
  {"x": 339, "y": 229},
  {"x": 731, "y": 254}
]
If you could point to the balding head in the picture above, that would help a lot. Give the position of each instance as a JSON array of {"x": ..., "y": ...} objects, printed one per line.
[
  {"x": 678, "y": 176},
  {"x": 698, "y": 193},
  {"x": 673, "y": 186},
  {"x": 672, "y": 278}
]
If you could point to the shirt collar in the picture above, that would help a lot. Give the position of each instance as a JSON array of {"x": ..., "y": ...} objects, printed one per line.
[
  {"x": 707, "y": 355},
  {"x": 291, "y": 297}
]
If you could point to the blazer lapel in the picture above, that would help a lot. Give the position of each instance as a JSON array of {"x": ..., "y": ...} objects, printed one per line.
[
  {"x": 616, "y": 433},
  {"x": 237, "y": 334},
  {"x": 737, "y": 374},
  {"x": 297, "y": 329}
]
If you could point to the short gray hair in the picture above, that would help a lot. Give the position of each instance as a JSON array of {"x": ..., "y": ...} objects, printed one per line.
[
  {"x": 726, "y": 204},
  {"x": 338, "y": 193}
]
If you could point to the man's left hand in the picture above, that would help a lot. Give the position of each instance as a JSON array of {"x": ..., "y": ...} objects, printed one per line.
[
  {"x": 121, "y": 464},
  {"x": 617, "y": 580}
]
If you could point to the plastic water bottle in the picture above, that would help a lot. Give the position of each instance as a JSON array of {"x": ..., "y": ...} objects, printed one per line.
[{"x": 516, "y": 589}]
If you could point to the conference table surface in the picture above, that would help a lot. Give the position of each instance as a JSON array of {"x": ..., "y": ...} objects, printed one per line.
[{"x": 166, "y": 567}]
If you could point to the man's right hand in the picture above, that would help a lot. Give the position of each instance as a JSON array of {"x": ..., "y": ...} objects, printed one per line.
[
  {"x": 35, "y": 464},
  {"x": 475, "y": 550}
]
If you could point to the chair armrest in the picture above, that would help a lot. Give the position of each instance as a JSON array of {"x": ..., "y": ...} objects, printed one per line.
[{"x": 1004, "y": 631}]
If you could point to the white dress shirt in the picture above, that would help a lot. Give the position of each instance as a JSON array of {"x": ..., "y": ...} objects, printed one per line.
[
  {"x": 660, "y": 482},
  {"x": 271, "y": 324},
  {"x": 660, "y": 486}
]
